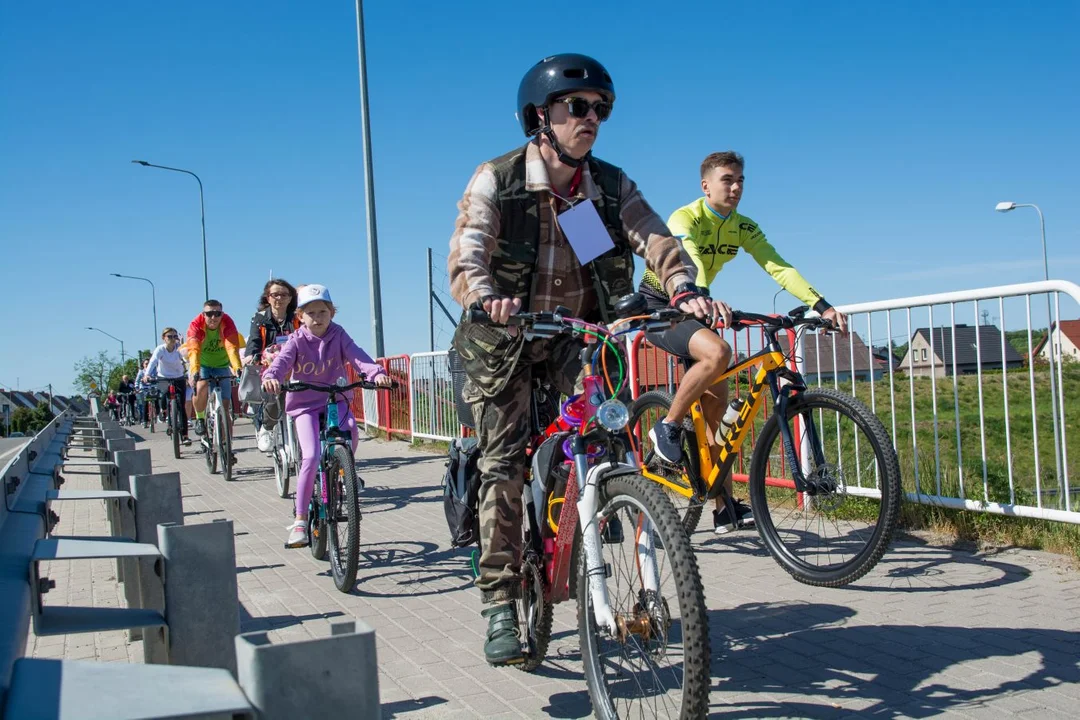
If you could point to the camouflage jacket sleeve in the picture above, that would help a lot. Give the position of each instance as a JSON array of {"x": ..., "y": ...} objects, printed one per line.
[
  {"x": 474, "y": 236},
  {"x": 650, "y": 238}
]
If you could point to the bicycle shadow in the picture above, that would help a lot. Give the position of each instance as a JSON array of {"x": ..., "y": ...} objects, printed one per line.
[
  {"x": 410, "y": 569},
  {"x": 392, "y": 462},
  {"x": 386, "y": 498},
  {"x": 810, "y": 650}
]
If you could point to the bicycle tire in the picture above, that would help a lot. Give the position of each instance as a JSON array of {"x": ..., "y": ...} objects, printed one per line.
[
  {"x": 281, "y": 462},
  {"x": 224, "y": 444},
  {"x": 891, "y": 491},
  {"x": 151, "y": 417},
  {"x": 317, "y": 526},
  {"x": 209, "y": 444},
  {"x": 689, "y": 509},
  {"x": 639, "y": 491},
  {"x": 174, "y": 415},
  {"x": 341, "y": 471}
]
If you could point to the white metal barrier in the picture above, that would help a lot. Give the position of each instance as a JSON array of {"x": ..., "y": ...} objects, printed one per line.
[
  {"x": 431, "y": 397},
  {"x": 965, "y": 407},
  {"x": 371, "y": 408}
]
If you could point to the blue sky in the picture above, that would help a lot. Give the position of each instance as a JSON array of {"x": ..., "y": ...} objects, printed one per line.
[{"x": 878, "y": 137}]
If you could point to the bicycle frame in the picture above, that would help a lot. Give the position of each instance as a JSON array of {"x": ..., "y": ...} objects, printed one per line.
[
  {"x": 772, "y": 362},
  {"x": 579, "y": 506},
  {"x": 329, "y": 436}
]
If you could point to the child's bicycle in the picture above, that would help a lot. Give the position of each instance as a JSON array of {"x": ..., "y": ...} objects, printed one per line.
[
  {"x": 217, "y": 442},
  {"x": 334, "y": 512},
  {"x": 819, "y": 525},
  {"x": 596, "y": 530}
]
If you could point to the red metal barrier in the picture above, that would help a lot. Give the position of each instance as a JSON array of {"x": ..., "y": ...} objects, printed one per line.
[
  {"x": 394, "y": 412},
  {"x": 357, "y": 403}
]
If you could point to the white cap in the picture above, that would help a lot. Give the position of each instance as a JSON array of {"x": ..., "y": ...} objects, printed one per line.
[{"x": 311, "y": 293}]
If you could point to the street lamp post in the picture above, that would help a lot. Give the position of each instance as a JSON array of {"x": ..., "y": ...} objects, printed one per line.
[
  {"x": 153, "y": 301},
  {"x": 122, "y": 357},
  {"x": 202, "y": 211},
  {"x": 1007, "y": 207},
  {"x": 369, "y": 183}
]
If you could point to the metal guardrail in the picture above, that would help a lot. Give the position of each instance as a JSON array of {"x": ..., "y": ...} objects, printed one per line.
[
  {"x": 977, "y": 424},
  {"x": 181, "y": 600}
]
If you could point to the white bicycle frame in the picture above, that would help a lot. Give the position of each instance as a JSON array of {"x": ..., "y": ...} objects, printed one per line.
[
  {"x": 213, "y": 403},
  {"x": 590, "y": 536}
]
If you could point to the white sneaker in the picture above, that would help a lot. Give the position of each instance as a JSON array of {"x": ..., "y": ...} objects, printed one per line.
[
  {"x": 298, "y": 536},
  {"x": 264, "y": 440}
]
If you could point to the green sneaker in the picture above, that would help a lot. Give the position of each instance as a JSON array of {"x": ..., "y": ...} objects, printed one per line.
[{"x": 503, "y": 646}]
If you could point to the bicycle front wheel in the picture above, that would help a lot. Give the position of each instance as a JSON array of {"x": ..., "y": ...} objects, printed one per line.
[
  {"x": 281, "y": 461},
  {"x": 649, "y": 409},
  {"x": 209, "y": 443},
  {"x": 224, "y": 444},
  {"x": 657, "y": 665},
  {"x": 343, "y": 514},
  {"x": 174, "y": 419},
  {"x": 836, "y": 531}
]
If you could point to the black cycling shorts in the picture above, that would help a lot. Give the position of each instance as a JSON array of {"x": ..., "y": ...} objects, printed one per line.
[{"x": 676, "y": 340}]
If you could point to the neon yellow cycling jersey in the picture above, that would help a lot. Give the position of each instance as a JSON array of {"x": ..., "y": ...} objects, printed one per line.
[{"x": 712, "y": 240}]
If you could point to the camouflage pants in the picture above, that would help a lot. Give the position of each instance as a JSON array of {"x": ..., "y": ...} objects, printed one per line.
[{"x": 503, "y": 428}]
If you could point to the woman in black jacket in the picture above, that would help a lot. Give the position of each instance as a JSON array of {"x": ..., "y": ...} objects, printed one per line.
[{"x": 271, "y": 324}]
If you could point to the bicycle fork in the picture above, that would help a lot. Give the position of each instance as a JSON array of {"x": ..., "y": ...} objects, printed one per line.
[{"x": 596, "y": 570}]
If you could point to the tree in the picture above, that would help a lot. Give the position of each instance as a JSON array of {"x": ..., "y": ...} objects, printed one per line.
[
  {"x": 30, "y": 421},
  {"x": 94, "y": 369}
]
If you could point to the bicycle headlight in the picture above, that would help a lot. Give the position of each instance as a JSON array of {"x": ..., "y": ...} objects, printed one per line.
[{"x": 612, "y": 415}]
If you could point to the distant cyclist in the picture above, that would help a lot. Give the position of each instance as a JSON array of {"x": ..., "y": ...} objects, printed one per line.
[
  {"x": 167, "y": 367},
  {"x": 213, "y": 352},
  {"x": 270, "y": 327}
]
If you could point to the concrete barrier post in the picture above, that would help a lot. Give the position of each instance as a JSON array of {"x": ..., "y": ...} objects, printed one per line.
[
  {"x": 158, "y": 500},
  {"x": 128, "y": 463},
  {"x": 202, "y": 609},
  {"x": 337, "y": 674}
]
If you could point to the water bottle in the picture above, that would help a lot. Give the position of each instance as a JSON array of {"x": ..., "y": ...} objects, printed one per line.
[{"x": 734, "y": 408}]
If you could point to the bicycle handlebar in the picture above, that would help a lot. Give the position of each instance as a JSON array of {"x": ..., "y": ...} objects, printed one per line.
[
  {"x": 296, "y": 385},
  {"x": 657, "y": 320}
]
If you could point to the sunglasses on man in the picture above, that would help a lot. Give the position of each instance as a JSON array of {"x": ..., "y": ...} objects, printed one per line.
[
  {"x": 580, "y": 107},
  {"x": 212, "y": 313}
]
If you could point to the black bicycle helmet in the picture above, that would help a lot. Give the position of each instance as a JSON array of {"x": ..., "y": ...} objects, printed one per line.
[{"x": 555, "y": 76}]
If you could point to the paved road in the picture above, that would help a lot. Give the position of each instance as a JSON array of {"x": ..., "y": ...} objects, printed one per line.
[
  {"x": 8, "y": 448},
  {"x": 931, "y": 632}
]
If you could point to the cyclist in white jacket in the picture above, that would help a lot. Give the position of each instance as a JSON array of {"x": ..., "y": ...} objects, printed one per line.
[{"x": 167, "y": 367}]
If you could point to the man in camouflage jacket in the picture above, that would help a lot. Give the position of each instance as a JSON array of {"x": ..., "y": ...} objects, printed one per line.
[{"x": 508, "y": 253}]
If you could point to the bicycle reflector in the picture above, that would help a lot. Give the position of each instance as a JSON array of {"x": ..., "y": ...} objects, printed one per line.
[{"x": 612, "y": 415}]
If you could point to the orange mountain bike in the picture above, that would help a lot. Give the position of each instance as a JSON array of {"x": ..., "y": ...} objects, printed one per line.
[{"x": 813, "y": 511}]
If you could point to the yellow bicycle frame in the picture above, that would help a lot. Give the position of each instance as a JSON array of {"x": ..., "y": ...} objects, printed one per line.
[{"x": 769, "y": 360}]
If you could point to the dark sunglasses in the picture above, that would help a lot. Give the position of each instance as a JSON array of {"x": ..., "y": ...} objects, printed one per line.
[
  {"x": 172, "y": 337},
  {"x": 212, "y": 313},
  {"x": 580, "y": 107}
]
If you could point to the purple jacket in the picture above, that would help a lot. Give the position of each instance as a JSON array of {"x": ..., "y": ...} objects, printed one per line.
[{"x": 319, "y": 360}]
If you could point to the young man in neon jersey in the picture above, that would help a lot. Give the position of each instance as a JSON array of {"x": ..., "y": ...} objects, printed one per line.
[{"x": 712, "y": 232}]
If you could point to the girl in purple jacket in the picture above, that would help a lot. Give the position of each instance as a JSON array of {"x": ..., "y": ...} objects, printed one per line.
[{"x": 316, "y": 353}]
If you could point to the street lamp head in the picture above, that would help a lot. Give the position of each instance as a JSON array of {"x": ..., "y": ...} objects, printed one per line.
[
  {"x": 140, "y": 162},
  {"x": 116, "y": 274},
  {"x": 1005, "y": 206}
]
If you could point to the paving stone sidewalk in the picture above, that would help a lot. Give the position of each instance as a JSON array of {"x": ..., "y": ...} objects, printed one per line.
[{"x": 930, "y": 632}]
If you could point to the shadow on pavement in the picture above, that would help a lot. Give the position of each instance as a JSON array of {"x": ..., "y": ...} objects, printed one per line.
[
  {"x": 391, "y": 709},
  {"x": 806, "y": 649}
]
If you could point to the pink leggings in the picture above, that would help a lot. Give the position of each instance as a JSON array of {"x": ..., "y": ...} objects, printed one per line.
[{"x": 307, "y": 433}]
